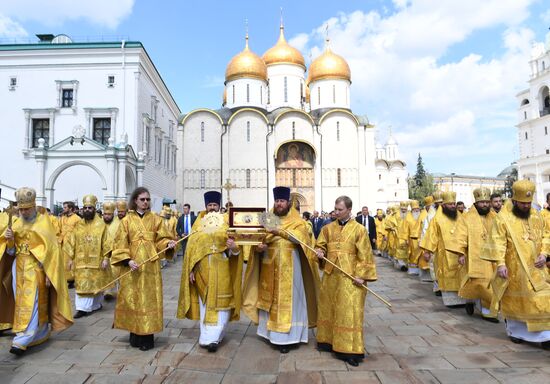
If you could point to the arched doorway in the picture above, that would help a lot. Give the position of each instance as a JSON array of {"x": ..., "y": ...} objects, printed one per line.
[{"x": 295, "y": 168}]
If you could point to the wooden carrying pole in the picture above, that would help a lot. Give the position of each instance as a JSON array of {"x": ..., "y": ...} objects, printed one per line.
[
  {"x": 139, "y": 265},
  {"x": 337, "y": 267}
]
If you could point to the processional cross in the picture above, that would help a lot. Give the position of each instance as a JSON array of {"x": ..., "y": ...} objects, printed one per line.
[{"x": 228, "y": 187}]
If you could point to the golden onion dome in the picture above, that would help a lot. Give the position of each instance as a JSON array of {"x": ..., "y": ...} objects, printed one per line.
[
  {"x": 283, "y": 53},
  {"x": 246, "y": 65},
  {"x": 329, "y": 66}
]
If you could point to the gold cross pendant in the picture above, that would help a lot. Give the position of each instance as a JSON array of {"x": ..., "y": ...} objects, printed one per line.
[{"x": 213, "y": 248}]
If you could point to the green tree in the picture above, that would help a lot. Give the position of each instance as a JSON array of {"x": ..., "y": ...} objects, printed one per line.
[{"x": 421, "y": 184}]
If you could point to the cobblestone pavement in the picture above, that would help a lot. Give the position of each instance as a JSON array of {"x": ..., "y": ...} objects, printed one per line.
[{"x": 416, "y": 341}]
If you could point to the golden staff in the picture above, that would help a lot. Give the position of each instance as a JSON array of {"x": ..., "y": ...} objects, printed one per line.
[
  {"x": 337, "y": 267},
  {"x": 144, "y": 262}
]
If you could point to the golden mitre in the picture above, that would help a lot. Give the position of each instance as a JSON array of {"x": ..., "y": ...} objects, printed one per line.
[
  {"x": 25, "y": 197},
  {"x": 379, "y": 211},
  {"x": 437, "y": 196},
  {"x": 166, "y": 211},
  {"x": 523, "y": 191},
  {"x": 109, "y": 207},
  {"x": 404, "y": 204},
  {"x": 89, "y": 201},
  {"x": 448, "y": 197},
  {"x": 428, "y": 200},
  {"x": 482, "y": 194},
  {"x": 415, "y": 204},
  {"x": 121, "y": 206}
]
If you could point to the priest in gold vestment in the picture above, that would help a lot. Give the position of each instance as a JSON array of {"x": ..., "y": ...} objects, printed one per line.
[
  {"x": 140, "y": 236},
  {"x": 423, "y": 264},
  {"x": 34, "y": 291},
  {"x": 67, "y": 223},
  {"x": 439, "y": 240},
  {"x": 381, "y": 233},
  {"x": 519, "y": 245},
  {"x": 433, "y": 211},
  {"x": 210, "y": 287},
  {"x": 282, "y": 279},
  {"x": 169, "y": 221},
  {"x": 472, "y": 237},
  {"x": 4, "y": 220},
  {"x": 112, "y": 222},
  {"x": 342, "y": 300},
  {"x": 412, "y": 231},
  {"x": 391, "y": 225},
  {"x": 88, "y": 249},
  {"x": 402, "y": 249}
]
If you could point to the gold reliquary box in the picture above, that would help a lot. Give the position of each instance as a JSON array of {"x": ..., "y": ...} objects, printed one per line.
[{"x": 245, "y": 225}]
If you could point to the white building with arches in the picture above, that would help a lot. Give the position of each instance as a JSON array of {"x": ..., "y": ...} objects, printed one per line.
[
  {"x": 534, "y": 122},
  {"x": 83, "y": 118},
  {"x": 280, "y": 126}
]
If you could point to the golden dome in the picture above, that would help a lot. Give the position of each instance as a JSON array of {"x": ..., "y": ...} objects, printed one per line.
[
  {"x": 283, "y": 53},
  {"x": 329, "y": 66},
  {"x": 246, "y": 64}
]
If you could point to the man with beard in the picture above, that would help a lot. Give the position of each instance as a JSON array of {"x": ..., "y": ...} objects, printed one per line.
[
  {"x": 439, "y": 241},
  {"x": 210, "y": 289},
  {"x": 66, "y": 224},
  {"x": 34, "y": 294},
  {"x": 121, "y": 209},
  {"x": 423, "y": 264},
  {"x": 88, "y": 248},
  {"x": 429, "y": 257},
  {"x": 496, "y": 202},
  {"x": 402, "y": 249},
  {"x": 112, "y": 222},
  {"x": 471, "y": 238},
  {"x": 391, "y": 229},
  {"x": 140, "y": 236},
  {"x": 519, "y": 246},
  {"x": 411, "y": 234},
  {"x": 460, "y": 207},
  {"x": 282, "y": 279},
  {"x": 342, "y": 300},
  {"x": 381, "y": 233}
]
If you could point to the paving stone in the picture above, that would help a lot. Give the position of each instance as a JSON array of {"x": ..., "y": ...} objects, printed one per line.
[
  {"x": 58, "y": 378},
  {"x": 525, "y": 359},
  {"x": 321, "y": 364},
  {"x": 474, "y": 360},
  {"x": 350, "y": 378},
  {"x": 448, "y": 376},
  {"x": 84, "y": 367},
  {"x": 300, "y": 377},
  {"x": 130, "y": 356},
  {"x": 255, "y": 357},
  {"x": 205, "y": 362},
  {"x": 168, "y": 358},
  {"x": 520, "y": 375},
  {"x": 377, "y": 362},
  {"x": 406, "y": 377},
  {"x": 233, "y": 378},
  {"x": 89, "y": 356},
  {"x": 188, "y": 376},
  {"x": 423, "y": 362},
  {"x": 114, "y": 379}
]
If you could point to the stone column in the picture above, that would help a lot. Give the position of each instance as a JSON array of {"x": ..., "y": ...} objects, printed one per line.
[
  {"x": 110, "y": 156},
  {"x": 41, "y": 157}
]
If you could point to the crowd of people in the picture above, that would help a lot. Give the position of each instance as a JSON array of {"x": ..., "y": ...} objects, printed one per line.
[{"x": 307, "y": 272}]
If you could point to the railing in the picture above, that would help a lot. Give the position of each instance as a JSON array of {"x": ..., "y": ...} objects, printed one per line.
[{"x": 74, "y": 39}]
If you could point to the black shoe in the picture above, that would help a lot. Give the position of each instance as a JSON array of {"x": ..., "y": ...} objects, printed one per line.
[
  {"x": 80, "y": 314},
  {"x": 133, "y": 340},
  {"x": 469, "y": 308},
  {"x": 17, "y": 351},
  {"x": 545, "y": 345},
  {"x": 108, "y": 297},
  {"x": 146, "y": 347},
  {"x": 437, "y": 293},
  {"x": 324, "y": 347},
  {"x": 351, "y": 361},
  {"x": 212, "y": 347},
  {"x": 515, "y": 340},
  {"x": 491, "y": 319},
  {"x": 403, "y": 269},
  {"x": 70, "y": 284},
  {"x": 284, "y": 349}
]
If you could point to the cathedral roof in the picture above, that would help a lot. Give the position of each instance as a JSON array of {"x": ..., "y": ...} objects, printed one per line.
[
  {"x": 246, "y": 64},
  {"x": 283, "y": 53},
  {"x": 329, "y": 66}
]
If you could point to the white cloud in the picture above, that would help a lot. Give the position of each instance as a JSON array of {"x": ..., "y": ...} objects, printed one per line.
[
  {"x": 443, "y": 103},
  {"x": 545, "y": 16},
  {"x": 10, "y": 28},
  {"x": 105, "y": 13}
]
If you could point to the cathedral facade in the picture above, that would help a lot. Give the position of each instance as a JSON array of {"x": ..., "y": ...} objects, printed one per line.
[{"x": 284, "y": 124}]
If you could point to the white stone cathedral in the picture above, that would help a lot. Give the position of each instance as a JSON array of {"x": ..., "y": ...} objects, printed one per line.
[{"x": 278, "y": 126}]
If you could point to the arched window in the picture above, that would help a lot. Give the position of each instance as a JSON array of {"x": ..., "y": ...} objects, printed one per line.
[
  {"x": 248, "y": 178},
  {"x": 202, "y": 131},
  {"x": 318, "y": 95},
  {"x": 233, "y": 92},
  {"x": 286, "y": 89},
  {"x": 524, "y": 115},
  {"x": 337, "y": 131},
  {"x": 293, "y": 130},
  {"x": 261, "y": 94},
  {"x": 302, "y": 91},
  {"x": 248, "y": 131},
  {"x": 333, "y": 93},
  {"x": 268, "y": 95},
  {"x": 379, "y": 176},
  {"x": 339, "y": 177}
]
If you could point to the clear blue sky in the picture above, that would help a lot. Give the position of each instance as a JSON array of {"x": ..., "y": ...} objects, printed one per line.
[{"x": 442, "y": 73}]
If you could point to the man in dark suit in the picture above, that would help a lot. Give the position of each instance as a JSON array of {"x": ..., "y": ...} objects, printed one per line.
[
  {"x": 368, "y": 222},
  {"x": 317, "y": 223},
  {"x": 185, "y": 223}
]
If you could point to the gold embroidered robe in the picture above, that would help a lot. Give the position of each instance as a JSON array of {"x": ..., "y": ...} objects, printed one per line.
[
  {"x": 269, "y": 279},
  {"x": 402, "y": 251},
  {"x": 391, "y": 225},
  {"x": 4, "y": 218},
  {"x": 341, "y": 303},
  {"x": 87, "y": 246},
  {"x": 218, "y": 275},
  {"x": 438, "y": 240},
  {"x": 471, "y": 238},
  {"x": 381, "y": 234},
  {"x": 516, "y": 243},
  {"x": 139, "y": 306},
  {"x": 422, "y": 263},
  {"x": 412, "y": 231},
  {"x": 170, "y": 225},
  {"x": 66, "y": 225},
  {"x": 37, "y": 258}
]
